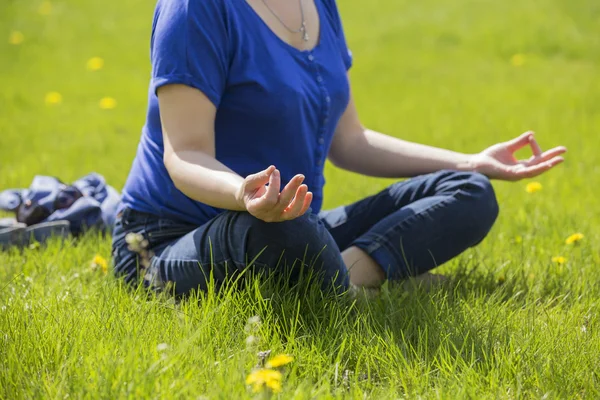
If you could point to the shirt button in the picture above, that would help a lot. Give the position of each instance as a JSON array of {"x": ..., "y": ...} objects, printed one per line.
[
  {"x": 311, "y": 57},
  {"x": 328, "y": 99},
  {"x": 321, "y": 141},
  {"x": 319, "y": 79},
  {"x": 326, "y": 120},
  {"x": 318, "y": 163}
]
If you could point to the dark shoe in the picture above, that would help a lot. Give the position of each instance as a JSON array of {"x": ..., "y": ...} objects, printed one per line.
[
  {"x": 44, "y": 231},
  {"x": 13, "y": 236}
]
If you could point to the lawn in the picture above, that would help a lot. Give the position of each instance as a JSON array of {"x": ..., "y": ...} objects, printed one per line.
[{"x": 512, "y": 323}]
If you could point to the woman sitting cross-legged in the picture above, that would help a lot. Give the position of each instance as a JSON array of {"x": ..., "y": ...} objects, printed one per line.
[{"x": 247, "y": 100}]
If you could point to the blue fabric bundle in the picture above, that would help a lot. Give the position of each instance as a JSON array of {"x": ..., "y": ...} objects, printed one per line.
[{"x": 86, "y": 203}]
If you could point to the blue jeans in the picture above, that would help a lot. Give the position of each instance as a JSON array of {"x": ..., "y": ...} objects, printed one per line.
[{"x": 409, "y": 228}]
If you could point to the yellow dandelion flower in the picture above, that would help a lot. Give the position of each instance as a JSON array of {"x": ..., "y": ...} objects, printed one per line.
[
  {"x": 45, "y": 8},
  {"x": 265, "y": 377},
  {"x": 279, "y": 360},
  {"x": 100, "y": 262},
  {"x": 94, "y": 64},
  {"x": 274, "y": 385},
  {"x": 517, "y": 60},
  {"x": 533, "y": 187},
  {"x": 518, "y": 239},
  {"x": 107, "y": 103},
  {"x": 559, "y": 259},
  {"x": 53, "y": 98},
  {"x": 16, "y": 38},
  {"x": 574, "y": 238}
]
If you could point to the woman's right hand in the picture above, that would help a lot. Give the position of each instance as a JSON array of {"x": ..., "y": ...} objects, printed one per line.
[{"x": 267, "y": 203}]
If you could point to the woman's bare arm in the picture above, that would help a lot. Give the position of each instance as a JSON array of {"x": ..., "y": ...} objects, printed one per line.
[{"x": 188, "y": 119}]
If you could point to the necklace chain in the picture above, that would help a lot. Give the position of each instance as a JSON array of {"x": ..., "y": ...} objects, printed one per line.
[{"x": 302, "y": 28}]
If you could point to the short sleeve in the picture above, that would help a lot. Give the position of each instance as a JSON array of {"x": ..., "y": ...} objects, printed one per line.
[
  {"x": 190, "y": 46},
  {"x": 338, "y": 26}
]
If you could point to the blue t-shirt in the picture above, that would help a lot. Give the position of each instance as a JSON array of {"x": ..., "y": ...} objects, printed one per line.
[{"x": 276, "y": 105}]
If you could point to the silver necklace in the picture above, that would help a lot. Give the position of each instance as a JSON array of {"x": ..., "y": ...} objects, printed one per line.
[{"x": 302, "y": 28}]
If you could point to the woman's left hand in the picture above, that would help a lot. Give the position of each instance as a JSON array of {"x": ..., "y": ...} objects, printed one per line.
[{"x": 499, "y": 162}]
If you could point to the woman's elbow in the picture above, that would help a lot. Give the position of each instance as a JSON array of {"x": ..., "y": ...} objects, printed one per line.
[
  {"x": 334, "y": 161},
  {"x": 336, "y": 158},
  {"x": 171, "y": 163}
]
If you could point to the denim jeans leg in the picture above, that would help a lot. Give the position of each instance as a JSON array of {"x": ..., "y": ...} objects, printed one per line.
[
  {"x": 416, "y": 225},
  {"x": 229, "y": 243}
]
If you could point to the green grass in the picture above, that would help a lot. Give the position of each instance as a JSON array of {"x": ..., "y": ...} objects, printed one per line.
[{"x": 511, "y": 324}]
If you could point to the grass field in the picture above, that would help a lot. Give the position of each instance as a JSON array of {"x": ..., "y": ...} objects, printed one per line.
[{"x": 461, "y": 74}]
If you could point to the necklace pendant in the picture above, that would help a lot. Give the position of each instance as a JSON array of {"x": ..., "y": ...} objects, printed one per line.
[{"x": 304, "y": 31}]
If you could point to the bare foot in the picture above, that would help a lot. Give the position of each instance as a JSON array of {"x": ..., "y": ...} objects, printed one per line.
[{"x": 366, "y": 292}]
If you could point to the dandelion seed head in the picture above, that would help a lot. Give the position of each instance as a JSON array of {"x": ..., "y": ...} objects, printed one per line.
[
  {"x": 162, "y": 347},
  {"x": 251, "y": 341}
]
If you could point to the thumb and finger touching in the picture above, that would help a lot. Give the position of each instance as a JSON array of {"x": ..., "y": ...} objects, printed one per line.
[
  {"x": 519, "y": 142},
  {"x": 272, "y": 194},
  {"x": 541, "y": 160},
  {"x": 293, "y": 201},
  {"x": 259, "y": 179},
  {"x": 509, "y": 168},
  {"x": 535, "y": 147}
]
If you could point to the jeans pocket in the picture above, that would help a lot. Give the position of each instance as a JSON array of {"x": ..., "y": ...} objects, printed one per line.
[
  {"x": 132, "y": 220},
  {"x": 164, "y": 230}
]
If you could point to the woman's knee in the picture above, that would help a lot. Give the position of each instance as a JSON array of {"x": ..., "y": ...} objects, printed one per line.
[
  {"x": 302, "y": 239},
  {"x": 483, "y": 204},
  {"x": 472, "y": 189},
  {"x": 296, "y": 245},
  {"x": 474, "y": 195},
  {"x": 486, "y": 195}
]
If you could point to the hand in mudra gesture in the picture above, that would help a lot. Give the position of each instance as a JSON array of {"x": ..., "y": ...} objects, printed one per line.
[
  {"x": 499, "y": 161},
  {"x": 267, "y": 203}
]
